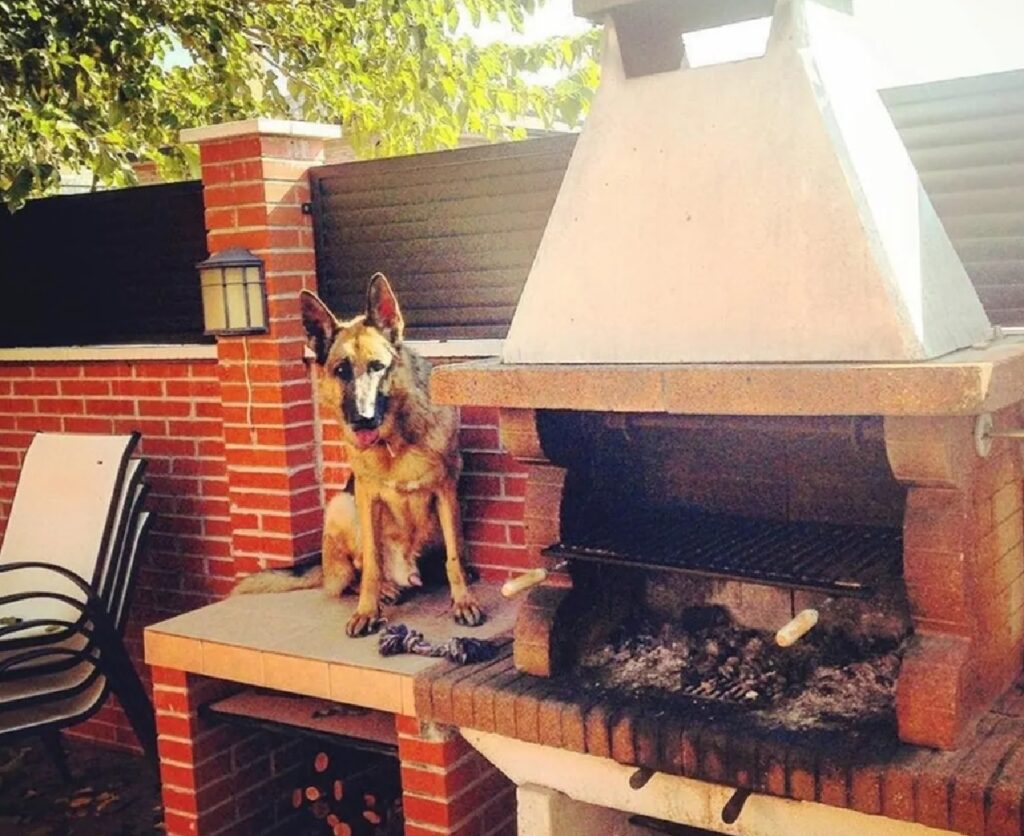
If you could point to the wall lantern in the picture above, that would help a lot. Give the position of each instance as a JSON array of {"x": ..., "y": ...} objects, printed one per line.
[{"x": 234, "y": 293}]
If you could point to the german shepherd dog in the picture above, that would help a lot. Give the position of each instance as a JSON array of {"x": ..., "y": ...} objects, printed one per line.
[{"x": 403, "y": 451}]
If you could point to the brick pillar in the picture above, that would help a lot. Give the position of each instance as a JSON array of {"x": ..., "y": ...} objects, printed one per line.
[
  {"x": 254, "y": 184},
  {"x": 217, "y": 779},
  {"x": 963, "y": 563},
  {"x": 536, "y": 648},
  {"x": 448, "y": 788}
]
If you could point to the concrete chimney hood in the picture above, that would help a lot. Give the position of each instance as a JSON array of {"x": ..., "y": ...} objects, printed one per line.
[{"x": 761, "y": 211}]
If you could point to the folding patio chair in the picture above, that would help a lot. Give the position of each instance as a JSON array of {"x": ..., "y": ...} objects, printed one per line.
[{"x": 67, "y": 568}]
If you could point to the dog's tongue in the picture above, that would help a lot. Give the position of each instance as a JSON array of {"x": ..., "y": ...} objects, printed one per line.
[{"x": 364, "y": 438}]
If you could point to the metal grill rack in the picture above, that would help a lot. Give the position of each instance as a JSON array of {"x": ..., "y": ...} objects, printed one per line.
[
  {"x": 825, "y": 557},
  {"x": 722, "y": 692}
]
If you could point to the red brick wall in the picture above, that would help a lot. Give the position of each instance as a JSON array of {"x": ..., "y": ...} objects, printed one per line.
[
  {"x": 448, "y": 787},
  {"x": 492, "y": 491},
  {"x": 218, "y": 778},
  {"x": 176, "y": 407}
]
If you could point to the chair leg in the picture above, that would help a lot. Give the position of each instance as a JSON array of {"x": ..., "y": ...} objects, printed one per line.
[
  {"x": 54, "y": 746},
  {"x": 139, "y": 709},
  {"x": 125, "y": 683}
]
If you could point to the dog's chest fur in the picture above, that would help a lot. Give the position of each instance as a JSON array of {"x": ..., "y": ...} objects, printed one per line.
[{"x": 392, "y": 468}]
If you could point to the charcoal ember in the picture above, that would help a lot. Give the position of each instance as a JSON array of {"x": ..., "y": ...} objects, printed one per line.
[
  {"x": 708, "y": 617},
  {"x": 828, "y": 677},
  {"x": 753, "y": 648}
]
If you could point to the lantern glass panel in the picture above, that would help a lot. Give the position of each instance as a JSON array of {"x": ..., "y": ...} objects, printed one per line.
[
  {"x": 234, "y": 291},
  {"x": 214, "y": 315},
  {"x": 254, "y": 291}
]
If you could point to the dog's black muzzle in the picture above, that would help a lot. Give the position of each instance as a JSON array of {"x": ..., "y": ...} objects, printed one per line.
[{"x": 358, "y": 422}]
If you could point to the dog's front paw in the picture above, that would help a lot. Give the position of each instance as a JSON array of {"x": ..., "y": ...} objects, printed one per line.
[
  {"x": 363, "y": 621},
  {"x": 465, "y": 610},
  {"x": 391, "y": 593}
]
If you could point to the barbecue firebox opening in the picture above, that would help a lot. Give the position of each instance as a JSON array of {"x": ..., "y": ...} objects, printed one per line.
[
  {"x": 690, "y": 541},
  {"x": 833, "y": 679}
]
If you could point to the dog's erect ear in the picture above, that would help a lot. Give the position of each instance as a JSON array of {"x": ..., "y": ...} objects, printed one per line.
[
  {"x": 382, "y": 310},
  {"x": 321, "y": 325}
]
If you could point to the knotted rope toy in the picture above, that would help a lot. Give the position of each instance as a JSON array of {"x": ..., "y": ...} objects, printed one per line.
[{"x": 397, "y": 639}]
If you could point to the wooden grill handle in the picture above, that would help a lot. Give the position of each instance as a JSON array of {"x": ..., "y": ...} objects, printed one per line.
[
  {"x": 523, "y": 582},
  {"x": 794, "y": 630}
]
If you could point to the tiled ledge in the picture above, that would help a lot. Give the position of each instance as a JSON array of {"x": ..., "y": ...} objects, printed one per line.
[
  {"x": 965, "y": 382},
  {"x": 93, "y": 353},
  {"x": 296, "y": 642}
]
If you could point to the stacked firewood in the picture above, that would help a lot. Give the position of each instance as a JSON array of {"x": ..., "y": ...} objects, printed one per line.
[{"x": 345, "y": 792}]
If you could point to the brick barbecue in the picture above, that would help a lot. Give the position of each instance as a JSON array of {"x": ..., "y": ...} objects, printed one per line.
[{"x": 747, "y": 419}]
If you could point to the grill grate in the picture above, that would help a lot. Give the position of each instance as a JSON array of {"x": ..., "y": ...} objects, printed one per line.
[
  {"x": 728, "y": 692},
  {"x": 837, "y": 559}
]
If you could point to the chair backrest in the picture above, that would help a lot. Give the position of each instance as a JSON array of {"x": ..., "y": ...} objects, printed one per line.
[
  {"x": 111, "y": 574},
  {"x": 66, "y": 512}
]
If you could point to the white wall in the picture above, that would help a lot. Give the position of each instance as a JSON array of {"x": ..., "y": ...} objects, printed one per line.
[{"x": 927, "y": 40}]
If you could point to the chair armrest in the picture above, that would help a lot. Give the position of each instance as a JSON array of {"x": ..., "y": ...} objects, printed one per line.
[
  {"x": 41, "y": 653},
  {"x": 67, "y": 574},
  {"x": 91, "y": 608}
]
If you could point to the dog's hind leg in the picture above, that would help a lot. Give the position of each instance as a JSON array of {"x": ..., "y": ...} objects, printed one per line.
[
  {"x": 340, "y": 544},
  {"x": 465, "y": 608}
]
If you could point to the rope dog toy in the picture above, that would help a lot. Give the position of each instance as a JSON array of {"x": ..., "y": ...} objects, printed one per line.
[{"x": 397, "y": 639}]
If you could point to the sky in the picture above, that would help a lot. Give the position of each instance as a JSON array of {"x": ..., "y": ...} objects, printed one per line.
[
  {"x": 913, "y": 40},
  {"x": 555, "y": 17}
]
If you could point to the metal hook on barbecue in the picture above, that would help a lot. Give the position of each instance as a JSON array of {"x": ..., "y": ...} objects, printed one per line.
[
  {"x": 984, "y": 432},
  {"x": 641, "y": 778},
  {"x": 734, "y": 806}
]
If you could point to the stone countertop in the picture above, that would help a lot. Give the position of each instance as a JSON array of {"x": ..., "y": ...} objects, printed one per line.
[
  {"x": 966, "y": 382},
  {"x": 296, "y": 642}
]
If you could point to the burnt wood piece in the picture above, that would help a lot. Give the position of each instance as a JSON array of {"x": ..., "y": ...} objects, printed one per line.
[{"x": 823, "y": 557}]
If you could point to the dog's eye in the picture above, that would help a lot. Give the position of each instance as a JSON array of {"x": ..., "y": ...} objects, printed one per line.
[
  {"x": 344, "y": 370},
  {"x": 375, "y": 366}
]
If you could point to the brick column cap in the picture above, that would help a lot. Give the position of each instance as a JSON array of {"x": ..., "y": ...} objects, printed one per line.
[{"x": 262, "y": 127}]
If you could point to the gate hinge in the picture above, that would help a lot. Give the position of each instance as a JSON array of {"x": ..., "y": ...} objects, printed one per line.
[{"x": 307, "y": 208}]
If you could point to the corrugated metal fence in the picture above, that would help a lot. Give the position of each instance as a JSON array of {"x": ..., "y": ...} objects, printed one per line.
[
  {"x": 455, "y": 231},
  {"x": 966, "y": 137}
]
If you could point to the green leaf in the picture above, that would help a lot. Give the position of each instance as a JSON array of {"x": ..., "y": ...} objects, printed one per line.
[{"x": 94, "y": 83}]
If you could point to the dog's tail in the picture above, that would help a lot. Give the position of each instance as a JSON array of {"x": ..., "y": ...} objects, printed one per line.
[{"x": 307, "y": 576}]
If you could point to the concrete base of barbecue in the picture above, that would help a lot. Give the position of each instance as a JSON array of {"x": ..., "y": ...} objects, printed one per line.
[
  {"x": 977, "y": 789},
  {"x": 567, "y": 794}
]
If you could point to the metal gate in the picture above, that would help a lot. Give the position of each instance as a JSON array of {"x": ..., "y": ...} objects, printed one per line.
[{"x": 108, "y": 267}]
